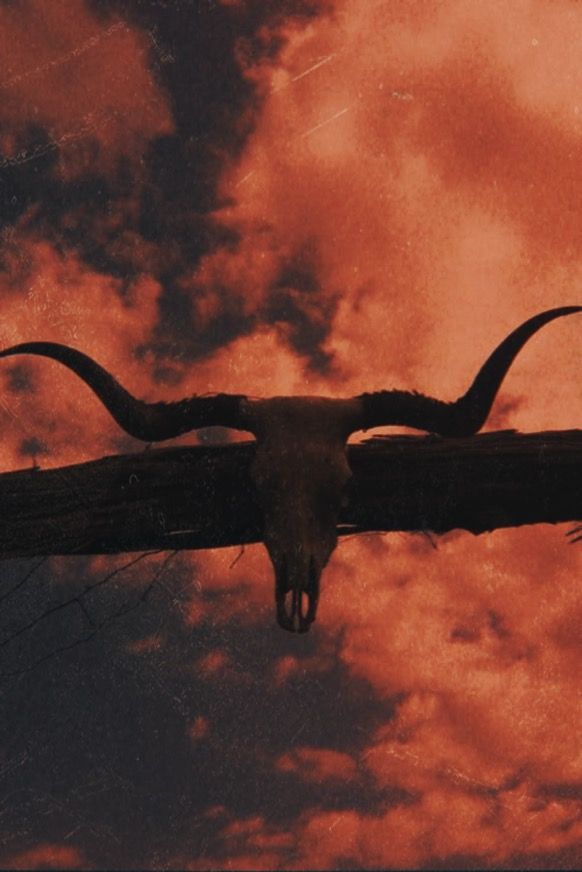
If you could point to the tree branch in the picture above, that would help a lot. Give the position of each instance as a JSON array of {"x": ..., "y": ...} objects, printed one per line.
[{"x": 202, "y": 497}]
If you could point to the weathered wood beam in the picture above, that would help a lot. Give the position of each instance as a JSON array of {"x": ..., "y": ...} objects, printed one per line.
[{"x": 202, "y": 497}]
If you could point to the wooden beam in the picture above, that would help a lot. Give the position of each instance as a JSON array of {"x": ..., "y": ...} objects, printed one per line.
[{"x": 202, "y": 497}]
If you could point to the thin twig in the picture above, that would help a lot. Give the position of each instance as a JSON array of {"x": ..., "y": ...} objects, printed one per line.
[
  {"x": 28, "y": 575},
  {"x": 125, "y": 609},
  {"x": 76, "y": 600},
  {"x": 238, "y": 557}
]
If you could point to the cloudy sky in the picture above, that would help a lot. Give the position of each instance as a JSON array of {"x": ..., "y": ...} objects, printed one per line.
[{"x": 308, "y": 196}]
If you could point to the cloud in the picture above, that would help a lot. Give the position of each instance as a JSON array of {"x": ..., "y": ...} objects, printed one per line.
[
  {"x": 48, "y": 856},
  {"x": 81, "y": 80},
  {"x": 318, "y": 764},
  {"x": 61, "y": 300}
]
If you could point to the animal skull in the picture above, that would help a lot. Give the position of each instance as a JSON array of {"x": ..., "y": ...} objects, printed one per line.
[
  {"x": 300, "y": 468},
  {"x": 300, "y": 471}
]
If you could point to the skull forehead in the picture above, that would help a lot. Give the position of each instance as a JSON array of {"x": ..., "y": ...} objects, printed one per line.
[
  {"x": 300, "y": 466},
  {"x": 300, "y": 419},
  {"x": 299, "y": 438}
]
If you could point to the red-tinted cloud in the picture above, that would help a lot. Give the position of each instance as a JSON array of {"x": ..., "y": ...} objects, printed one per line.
[
  {"x": 318, "y": 764},
  {"x": 61, "y": 300},
  {"x": 83, "y": 79},
  {"x": 49, "y": 856}
]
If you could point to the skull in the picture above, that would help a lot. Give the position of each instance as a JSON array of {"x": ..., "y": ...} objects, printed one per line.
[
  {"x": 300, "y": 468},
  {"x": 300, "y": 471}
]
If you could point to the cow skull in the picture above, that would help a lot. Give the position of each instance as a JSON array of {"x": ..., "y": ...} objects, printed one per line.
[
  {"x": 300, "y": 471},
  {"x": 300, "y": 468}
]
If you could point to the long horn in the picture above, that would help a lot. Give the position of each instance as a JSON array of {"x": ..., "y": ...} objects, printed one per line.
[
  {"x": 151, "y": 422},
  {"x": 468, "y": 414}
]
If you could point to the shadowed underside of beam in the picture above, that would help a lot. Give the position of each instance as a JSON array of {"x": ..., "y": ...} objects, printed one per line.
[{"x": 202, "y": 497}]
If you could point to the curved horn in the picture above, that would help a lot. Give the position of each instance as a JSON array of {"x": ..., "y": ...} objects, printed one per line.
[
  {"x": 151, "y": 422},
  {"x": 468, "y": 414}
]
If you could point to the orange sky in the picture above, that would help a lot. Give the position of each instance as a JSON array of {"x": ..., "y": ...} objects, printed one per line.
[{"x": 422, "y": 161}]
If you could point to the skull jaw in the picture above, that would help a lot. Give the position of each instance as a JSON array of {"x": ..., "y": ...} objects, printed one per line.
[{"x": 292, "y": 589}]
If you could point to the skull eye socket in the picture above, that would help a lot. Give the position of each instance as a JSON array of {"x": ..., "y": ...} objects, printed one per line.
[
  {"x": 304, "y": 604},
  {"x": 292, "y": 611}
]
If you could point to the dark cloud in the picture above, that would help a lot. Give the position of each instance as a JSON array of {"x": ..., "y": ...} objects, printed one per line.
[
  {"x": 19, "y": 379},
  {"x": 97, "y": 740},
  {"x": 296, "y": 304},
  {"x": 148, "y": 209}
]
